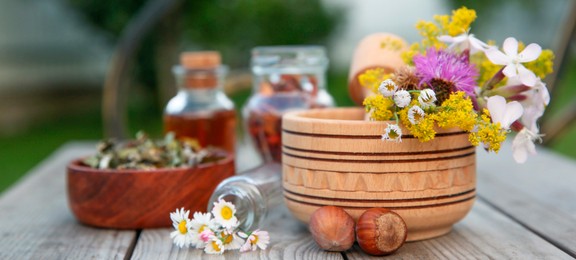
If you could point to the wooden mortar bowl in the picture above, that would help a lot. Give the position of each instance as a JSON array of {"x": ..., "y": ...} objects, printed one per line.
[
  {"x": 333, "y": 157},
  {"x": 136, "y": 199}
]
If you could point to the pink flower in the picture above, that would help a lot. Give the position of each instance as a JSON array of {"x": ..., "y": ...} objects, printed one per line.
[
  {"x": 206, "y": 235},
  {"x": 440, "y": 67}
]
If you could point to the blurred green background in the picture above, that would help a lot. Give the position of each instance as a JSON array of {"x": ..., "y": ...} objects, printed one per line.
[{"x": 54, "y": 56}]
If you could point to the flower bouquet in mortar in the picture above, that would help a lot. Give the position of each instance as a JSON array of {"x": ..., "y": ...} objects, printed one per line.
[{"x": 452, "y": 79}]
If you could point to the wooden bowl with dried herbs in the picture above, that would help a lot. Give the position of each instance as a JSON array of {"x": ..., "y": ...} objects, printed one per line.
[{"x": 136, "y": 184}]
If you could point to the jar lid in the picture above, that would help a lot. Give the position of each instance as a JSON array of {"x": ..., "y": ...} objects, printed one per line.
[{"x": 289, "y": 59}]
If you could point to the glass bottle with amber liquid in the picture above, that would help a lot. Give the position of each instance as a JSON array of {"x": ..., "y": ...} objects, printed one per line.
[{"x": 200, "y": 110}]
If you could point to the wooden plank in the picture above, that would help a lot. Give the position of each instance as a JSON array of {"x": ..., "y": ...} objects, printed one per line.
[
  {"x": 539, "y": 194},
  {"x": 289, "y": 240},
  {"x": 483, "y": 234},
  {"x": 35, "y": 222}
]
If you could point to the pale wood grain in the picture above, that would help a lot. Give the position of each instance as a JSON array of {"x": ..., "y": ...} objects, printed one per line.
[
  {"x": 483, "y": 234},
  {"x": 35, "y": 222},
  {"x": 289, "y": 240},
  {"x": 540, "y": 194},
  {"x": 332, "y": 157}
]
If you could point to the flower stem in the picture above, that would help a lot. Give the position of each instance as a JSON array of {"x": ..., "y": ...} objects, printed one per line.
[{"x": 499, "y": 76}]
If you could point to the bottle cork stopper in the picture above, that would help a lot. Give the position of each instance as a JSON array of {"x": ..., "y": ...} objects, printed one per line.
[{"x": 200, "y": 59}]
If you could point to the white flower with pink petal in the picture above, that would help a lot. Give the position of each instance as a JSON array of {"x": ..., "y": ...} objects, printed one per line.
[{"x": 504, "y": 113}]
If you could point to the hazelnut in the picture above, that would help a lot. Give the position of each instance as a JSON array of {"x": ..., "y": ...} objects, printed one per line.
[
  {"x": 332, "y": 228},
  {"x": 380, "y": 231}
]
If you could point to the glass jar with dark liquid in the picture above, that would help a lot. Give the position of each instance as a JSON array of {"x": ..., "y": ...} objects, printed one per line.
[{"x": 200, "y": 110}]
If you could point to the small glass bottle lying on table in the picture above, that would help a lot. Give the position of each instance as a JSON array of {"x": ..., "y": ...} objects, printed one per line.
[{"x": 254, "y": 194}]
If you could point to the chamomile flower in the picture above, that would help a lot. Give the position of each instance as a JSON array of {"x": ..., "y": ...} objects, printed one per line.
[
  {"x": 199, "y": 224},
  {"x": 415, "y": 114},
  {"x": 225, "y": 214},
  {"x": 230, "y": 240},
  {"x": 402, "y": 98},
  {"x": 257, "y": 239},
  {"x": 427, "y": 98},
  {"x": 387, "y": 88},
  {"x": 182, "y": 236},
  {"x": 214, "y": 246},
  {"x": 392, "y": 133}
]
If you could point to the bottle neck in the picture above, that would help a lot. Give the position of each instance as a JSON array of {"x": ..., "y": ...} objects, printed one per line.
[
  {"x": 251, "y": 206},
  {"x": 200, "y": 79},
  {"x": 254, "y": 194}
]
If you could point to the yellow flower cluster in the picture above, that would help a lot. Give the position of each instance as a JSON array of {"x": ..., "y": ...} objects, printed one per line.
[
  {"x": 457, "y": 111},
  {"x": 453, "y": 25},
  {"x": 392, "y": 43},
  {"x": 461, "y": 20},
  {"x": 372, "y": 78},
  {"x": 379, "y": 107},
  {"x": 424, "y": 130},
  {"x": 490, "y": 134},
  {"x": 542, "y": 66},
  {"x": 487, "y": 69}
]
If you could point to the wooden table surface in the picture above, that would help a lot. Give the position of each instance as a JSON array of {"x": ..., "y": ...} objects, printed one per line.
[{"x": 522, "y": 212}]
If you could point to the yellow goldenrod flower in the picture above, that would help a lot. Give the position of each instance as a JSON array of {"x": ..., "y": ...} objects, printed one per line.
[
  {"x": 457, "y": 111},
  {"x": 491, "y": 135},
  {"x": 379, "y": 107},
  {"x": 372, "y": 78},
  {"x": 460, "y": 21},
  {"x": 392, "y": 43},
  {"x": 544, "y": 65},
  {"x": 424, "y": 129}
]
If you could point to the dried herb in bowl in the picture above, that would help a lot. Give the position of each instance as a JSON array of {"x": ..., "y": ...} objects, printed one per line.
[{"x": 144, "y": 153}]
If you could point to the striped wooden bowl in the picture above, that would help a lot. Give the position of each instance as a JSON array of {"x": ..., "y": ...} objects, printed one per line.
[{"x": 334, "y": 157}]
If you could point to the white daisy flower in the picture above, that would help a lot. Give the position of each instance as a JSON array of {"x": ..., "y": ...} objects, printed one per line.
[
  {"x": 199, "y": 224},
  {"x": 415, "y": 114},
  {"x": 387, "y": 88},
  {"x": 257, "y": 239},
  {"x": 214, "y": 246},
  {"x": 231, "y": 240},
  {"x": 393, "y": 133},
  {"x": 182, "y": 236},
  {"x": 402, "y": 98},
  {"x": 225, "y": 214},
  {"x": 427, "y": 98}
]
